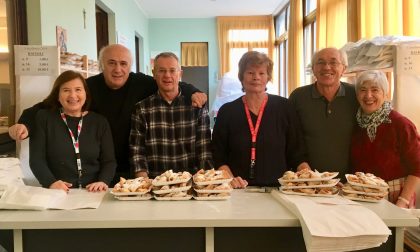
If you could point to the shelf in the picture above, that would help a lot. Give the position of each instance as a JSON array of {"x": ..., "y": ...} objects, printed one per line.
[
  {"x": 76, "y": 69},
  {"x": 354, "y": 74},
  {"x": 82, "y": 69}
]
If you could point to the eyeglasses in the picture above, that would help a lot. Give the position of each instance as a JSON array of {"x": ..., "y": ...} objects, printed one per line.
[
  {"x": 162, "y": 71},
  {"x": 332, "y": 64}
]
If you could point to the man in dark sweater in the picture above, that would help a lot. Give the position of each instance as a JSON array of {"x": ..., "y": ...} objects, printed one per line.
[
  {"x": 327, "y": 111},
  {"x": 114, "y": 93}
]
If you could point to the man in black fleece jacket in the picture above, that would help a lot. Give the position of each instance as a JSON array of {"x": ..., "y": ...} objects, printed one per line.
[{"x": 114, "y": 93}]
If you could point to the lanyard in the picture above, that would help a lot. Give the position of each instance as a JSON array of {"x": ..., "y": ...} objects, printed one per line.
[
  {"x": 254, "y": 133},
  {"x": 75, "y": 145}
]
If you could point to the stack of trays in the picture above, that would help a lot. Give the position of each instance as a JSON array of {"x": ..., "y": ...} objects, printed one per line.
[
  {"x": 309, "y": 183},
  {"x": 172, "y": 186},
  {"x": 212, "y": 185},
  {"x": 133, "y": 189},
  {"x": 365, "y": 187}
]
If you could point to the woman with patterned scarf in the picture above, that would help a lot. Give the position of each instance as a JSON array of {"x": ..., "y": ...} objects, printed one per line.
[{"x": 384, "y": 142}]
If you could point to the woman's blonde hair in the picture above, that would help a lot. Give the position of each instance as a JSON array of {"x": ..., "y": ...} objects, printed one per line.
[{"x": 254, "y": 58}]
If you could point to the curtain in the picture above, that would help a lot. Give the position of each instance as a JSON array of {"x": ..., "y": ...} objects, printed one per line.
[
  {"x": 331, "y": 17},
  {"x": 295, "y": 46},
  {"x": 392, "y": 25},
  {"x": 225, "y": 25},
  {"x": 194, "y": 54},
  {"x": 385, "y": 17},
  {"x": 411, "y": 18}
]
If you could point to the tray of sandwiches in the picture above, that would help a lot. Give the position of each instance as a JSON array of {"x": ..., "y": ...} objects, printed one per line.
[
  {"x": 172, "y": 186},
  {"x": 132, "y": 189},
  {"x": 184, "y": 186},
  {"x": 366, "y": 180},
  {"x": 212, "y": 176},
  {"x": 169, "y": 178},
  {"x": 309, "y": 183},
  {"x": 213, "y": 188},
  {"x": 365, "y": 187},
  {"x": 212, "y": 185},
  {"x": 306, "y": 175}
]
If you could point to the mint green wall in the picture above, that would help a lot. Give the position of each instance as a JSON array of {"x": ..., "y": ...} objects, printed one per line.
[
  {"x": 167, "y": 35},
  {"x": 45, "y": 15},
  {"x": 34, "y": 22},
  {"x": 129, "y": 22},
  {"x": 69, "y": 15}
]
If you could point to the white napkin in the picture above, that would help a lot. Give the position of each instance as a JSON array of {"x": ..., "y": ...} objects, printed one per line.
[
  {"x": 38, "y": 198},
  {"x": 335, "y": 224},
  {"x": 10, "y": 172}
]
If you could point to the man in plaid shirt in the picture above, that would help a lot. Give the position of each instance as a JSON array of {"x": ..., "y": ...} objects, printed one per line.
[{"x": 166, "y": 132}]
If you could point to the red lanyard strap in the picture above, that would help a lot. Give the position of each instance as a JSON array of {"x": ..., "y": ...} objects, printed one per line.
[
  {"x": 75, "y": 144},
  {"x": 254, "y": 132}
]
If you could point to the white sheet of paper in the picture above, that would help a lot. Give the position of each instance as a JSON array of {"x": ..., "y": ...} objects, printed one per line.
[
  {"x": 78, "y": 199},
  {"x": 28, "y": 197},
  {"x": 38, "y": 198}
]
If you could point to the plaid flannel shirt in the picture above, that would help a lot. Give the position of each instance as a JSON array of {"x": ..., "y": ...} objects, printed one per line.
[{"x": 167, "y": 136}]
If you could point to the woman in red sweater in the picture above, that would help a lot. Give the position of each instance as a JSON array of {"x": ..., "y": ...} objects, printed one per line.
[{"x": 385, "y": 142}]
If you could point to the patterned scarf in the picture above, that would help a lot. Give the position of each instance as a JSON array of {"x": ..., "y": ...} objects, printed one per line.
[{"x": 372, "y": 121}]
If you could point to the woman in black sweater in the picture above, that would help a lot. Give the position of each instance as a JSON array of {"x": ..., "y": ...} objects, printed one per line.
[{"x": 71, "y": 146}]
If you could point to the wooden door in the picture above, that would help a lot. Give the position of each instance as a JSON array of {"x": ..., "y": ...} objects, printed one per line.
[{"x": 102, "y": 35}]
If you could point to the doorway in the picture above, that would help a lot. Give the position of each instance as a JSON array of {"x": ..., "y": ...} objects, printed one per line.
[
  {"x": 194, "y": 64},
  {"x": 13, "y": 31},
  {"x": 139, "y": 55},
  {"x": 102, "y": 35}
]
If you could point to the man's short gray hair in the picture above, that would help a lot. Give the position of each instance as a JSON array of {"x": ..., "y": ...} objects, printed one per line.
[
  {"x": 343, "y": 56},
  {"x": 167, "y": 55}
]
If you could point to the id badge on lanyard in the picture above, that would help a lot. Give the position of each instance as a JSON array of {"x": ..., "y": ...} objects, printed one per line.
[
  {"x": 75, "y": 145},
  {"x": 254, "y": 133}
]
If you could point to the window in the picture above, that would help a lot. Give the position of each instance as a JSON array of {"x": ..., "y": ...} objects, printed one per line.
[
  {"x": 234, "y": 57},
  {"x": 252, "y": 37},
  {"x": 240, "y": 34},
  {"x": 282, "y": 26},
  {"x": 309, "y": 36},
  {"x": 309, "y": 7}
]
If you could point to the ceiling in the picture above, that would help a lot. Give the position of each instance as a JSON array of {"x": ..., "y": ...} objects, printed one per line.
[{"x": 208, "y": 8}]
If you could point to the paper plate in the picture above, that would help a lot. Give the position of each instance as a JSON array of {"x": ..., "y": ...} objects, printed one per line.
[
  {"x": 333, "y": 183},
  {"x": 178, "y": 189},
  {"x": 178, "y": 181},
  {"x": 213, "y": 191},
  {"x": 282, "y": 181},
  {"x": 361, "y": 199},
  {"x": 309, "y": 194},
  {"x": 212, "y": 198},
  {"x": 188, "y": 197},
  {"x": 129, "y": 193},
  {"x": 133, "y": 198},
  {"x": 383, "y": 194},
  {"x": 212, "y": 182}
]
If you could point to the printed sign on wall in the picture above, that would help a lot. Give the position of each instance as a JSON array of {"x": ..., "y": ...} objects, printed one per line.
[{"x": 36, "y": 60}]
